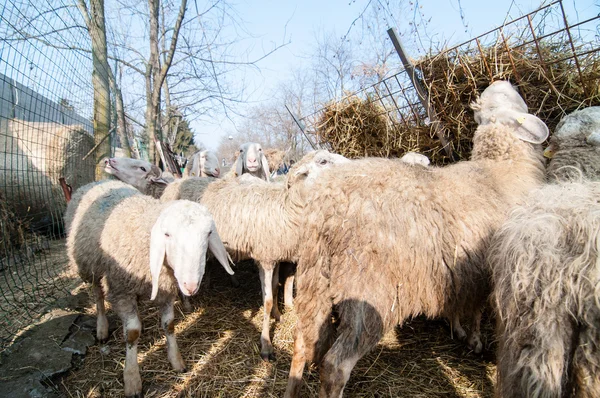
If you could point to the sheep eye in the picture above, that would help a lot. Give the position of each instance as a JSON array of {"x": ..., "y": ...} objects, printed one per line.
[
  {"x": 323, "y": 161},
  {"x": 168, "y": 235},
  {"x": 142, "y": 168}
]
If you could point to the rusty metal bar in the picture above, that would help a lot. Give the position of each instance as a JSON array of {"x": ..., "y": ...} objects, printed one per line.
[
  {"x": 573, "y": 48},
  {"x": 421, "y": 93},
  {"x": 487, "y": 67},
  {"x": 300, "y": 127},
  {"x": 510, "y": 58}
]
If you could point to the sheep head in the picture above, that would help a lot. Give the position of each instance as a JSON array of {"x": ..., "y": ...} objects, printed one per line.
[
  {"x": 313, "y": 164},
  {"x": 180, "y": 238},
  {"x": 252, "y": 160},
  {"x": 415, "y": 158},
  {"x": 205, "y": 164},
  {"x": 138, "y": 173},
  {"x": 501, "y": 103},
  {"x": 581, "y": 128}
]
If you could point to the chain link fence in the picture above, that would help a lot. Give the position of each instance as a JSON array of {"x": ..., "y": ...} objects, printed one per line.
[{"x": 46, "y": 132}]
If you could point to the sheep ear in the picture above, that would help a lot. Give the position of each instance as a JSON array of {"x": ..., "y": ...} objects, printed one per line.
[
  {"x": 239, "y": 165},
  {"x": 550, "y": 150},
  {"x": 527, "y": 127},
  {"x": 157, "y": 257},
  {"x": 594, "y": 138},
  {"x": 159, "y": 181},
  {"x": 218, "y": 250},
  {"x": 265, "y": 166}
]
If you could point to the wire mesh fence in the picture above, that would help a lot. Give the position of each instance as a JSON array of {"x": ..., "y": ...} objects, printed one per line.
[
  {"x": 46, "y": 132},
  {"x": 554, "y": 62}
]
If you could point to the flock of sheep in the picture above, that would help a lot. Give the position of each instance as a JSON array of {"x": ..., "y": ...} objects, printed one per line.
[{"x": 383, "y": 240}]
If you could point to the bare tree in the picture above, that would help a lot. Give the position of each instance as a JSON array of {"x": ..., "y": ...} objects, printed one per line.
[{"x": 94, "y": 19}]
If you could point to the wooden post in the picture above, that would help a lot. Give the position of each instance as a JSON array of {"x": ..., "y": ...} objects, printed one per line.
[{"x": 421, "y": 92}]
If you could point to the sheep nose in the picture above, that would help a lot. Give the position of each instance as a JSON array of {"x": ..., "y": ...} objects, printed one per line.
[
  {"x": 251, "y": 160},
  {"x": 191, "y": 287},
  {"x": 217, "y": 172}
]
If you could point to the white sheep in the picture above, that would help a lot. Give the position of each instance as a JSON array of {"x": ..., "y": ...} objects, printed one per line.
[
  {"x": 203, "y": 164},
  {"x": 259, "y": 220},
  {"x": 379, "y": 248},
  {"x": 139, "y": 247},
  {"x": 251, "y": 160},
  {"x": 546, "y": 273},
  {"x": 144, "y": 176},
  {"x": 415, "y": 158}
]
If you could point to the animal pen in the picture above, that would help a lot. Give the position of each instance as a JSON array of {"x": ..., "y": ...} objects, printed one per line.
[{"x": 47, "y": 132}]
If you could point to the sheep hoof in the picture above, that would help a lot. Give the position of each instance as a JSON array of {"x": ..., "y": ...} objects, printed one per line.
[
  {"x": 136, "y": 395},
  {"x": 234, "y": 281},
  {"x": 182, "y": 370},
  {"x": 475, "y": 345},
  {"x": 268, "y": 357},
  {"x": 102, "y": 341}
]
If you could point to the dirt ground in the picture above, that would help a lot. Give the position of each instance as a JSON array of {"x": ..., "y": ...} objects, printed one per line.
[{"x": 219, "y": 341}]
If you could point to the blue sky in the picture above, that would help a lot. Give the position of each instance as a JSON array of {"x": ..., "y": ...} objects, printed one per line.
[{"x": 275, "y": 22}]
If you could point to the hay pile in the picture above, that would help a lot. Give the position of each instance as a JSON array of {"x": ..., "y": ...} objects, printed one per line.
[
  {"x": 357, "y": 127},
  {"x": 274, "y": 157},
  {"x": 35, "y": 155}
]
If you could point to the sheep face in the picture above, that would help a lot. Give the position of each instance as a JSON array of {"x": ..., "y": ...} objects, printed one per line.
[
  {"x": 501, "y": 103},
  {"x": 209, "y": 163},
  {"x": 313, "y": 164},
  {"x": 252, "y": 160},
  {"x": 138, "y": 173},
  {"x": 205, "y": 164},
  {"x": 180, "y": 238}
]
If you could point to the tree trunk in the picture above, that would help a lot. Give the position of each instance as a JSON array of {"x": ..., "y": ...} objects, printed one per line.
[
  {"x": 101, "y": 84},
  {"x": 121, "y": 124}
]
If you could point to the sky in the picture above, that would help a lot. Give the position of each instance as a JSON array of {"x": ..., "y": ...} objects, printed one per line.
[{"x": 297, "y": 22}]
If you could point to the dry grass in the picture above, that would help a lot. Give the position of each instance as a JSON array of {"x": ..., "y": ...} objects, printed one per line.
[{"x": 219, "y": 341}]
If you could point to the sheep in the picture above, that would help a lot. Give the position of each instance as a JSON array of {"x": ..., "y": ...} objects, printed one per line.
[
  {"x": 258, "y": 220},
  {"x": 203, "y": 164},
  {"x": 379, "y": 248},
  {"x": 139, "y": 247},
  {"x": 144, "y": 176},
  {"x": 545, "y": 266},
  {"x": 576, "y": 143},
  {"x": 415, "y": 158},
  {"x": 251, "y": 160}
]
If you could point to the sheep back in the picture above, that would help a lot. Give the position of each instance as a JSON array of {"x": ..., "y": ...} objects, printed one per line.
[
  {"x": 191, "y": 188},
  {"x": 109, "y": 225},
  {"x": 405, "y": 240}
]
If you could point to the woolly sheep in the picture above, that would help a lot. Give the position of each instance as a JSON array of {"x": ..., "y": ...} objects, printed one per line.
[
  {"x": 415, "y": 158},
  {"x": 251, "y": 160},
  {"x": 139, "y": 247},
  {"x": 145, "y": 176},
  {"x": 259, "y": 220},
  {"x": 379, "y": 248},
  {"x": 575, "y": 143},
  {"x": 203, "y": 164},
  {"x": 545, "y": 265}
]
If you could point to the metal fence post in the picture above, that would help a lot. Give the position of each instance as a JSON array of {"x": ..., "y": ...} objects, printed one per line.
[{"x": 421, "y": 92}]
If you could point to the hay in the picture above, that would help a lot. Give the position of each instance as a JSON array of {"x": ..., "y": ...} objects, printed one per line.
[
  {"x": 274, "y": 157},
  {"x": 545, "y": 74},
  {"x": 219, "y": 342}
]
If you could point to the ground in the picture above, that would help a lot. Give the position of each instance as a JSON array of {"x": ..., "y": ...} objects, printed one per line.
[{"x": 219, "y": 341}]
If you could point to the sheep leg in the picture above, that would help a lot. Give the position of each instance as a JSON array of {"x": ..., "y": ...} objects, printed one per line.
[
  {"x": 168, "y": 324},
  {"x": 185, "y": 302},
  {"x": 475, "y": 343},
  {"x": 266, "y": 279},
  {"x": 288, "y": 292},
  {"x": 457, "y": 328},
  {"x": 132, "y": 328},
  {"x": 297, "y": 367},
  {"x": 275, "y": 314},
  {"x": 288, "y": 270},
  {"x": 340, "y": 360},
  {"x": 101, "y": 320}
]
